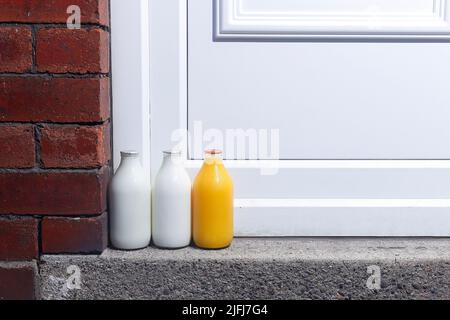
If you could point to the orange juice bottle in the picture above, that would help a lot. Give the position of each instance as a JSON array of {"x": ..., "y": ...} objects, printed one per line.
[{"x": 212, "y": 204}]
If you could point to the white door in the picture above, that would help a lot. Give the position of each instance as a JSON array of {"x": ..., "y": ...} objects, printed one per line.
[{"x": 358, "y": 92}]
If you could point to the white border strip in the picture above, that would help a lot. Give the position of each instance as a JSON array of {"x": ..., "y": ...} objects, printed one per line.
[
  {"x": 342, "y": 203},
  {"x": 340, "y": 164},
  {"x": 234, "y": 25}
]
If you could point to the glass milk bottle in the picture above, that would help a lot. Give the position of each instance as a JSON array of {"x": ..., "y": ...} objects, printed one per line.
[
  {"x": 130, "y": 199},
  {"x": 171, "y": 221},
  {"x": 212, "y": 204}
]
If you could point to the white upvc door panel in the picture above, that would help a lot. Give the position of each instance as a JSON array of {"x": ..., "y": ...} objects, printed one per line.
[
  {"x": 329, "y": 100},
  {"x": 357, "y": 89}
]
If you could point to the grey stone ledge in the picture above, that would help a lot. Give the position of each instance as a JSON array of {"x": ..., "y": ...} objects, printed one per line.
[{"x": 291, "y": 268}]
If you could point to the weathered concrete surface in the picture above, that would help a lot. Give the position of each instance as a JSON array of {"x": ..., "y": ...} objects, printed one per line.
[{"x": 260, "y": 269}]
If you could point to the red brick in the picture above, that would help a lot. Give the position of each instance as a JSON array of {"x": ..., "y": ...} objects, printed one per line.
[
  {"x": 53, "y": 193},
  {"x": 38, "y": 99},
  {"x": 17, "y": 146},
  {"x": 18, "y": 239},
  {"x": 75, "y": 147},
  {"x": 53, "y": 11},
  {"x": 15, "y": 49},
  {"x": 78, "y": 235},
  {"x": 18, "y": 281},
  {"x": 79, "y": 51}
]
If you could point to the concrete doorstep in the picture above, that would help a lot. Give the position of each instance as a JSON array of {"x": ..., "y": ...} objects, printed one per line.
[{"x": 259, "y": 269}]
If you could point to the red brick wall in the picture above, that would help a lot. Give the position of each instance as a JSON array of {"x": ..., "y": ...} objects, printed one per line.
[{"x": 54, "y": 136}]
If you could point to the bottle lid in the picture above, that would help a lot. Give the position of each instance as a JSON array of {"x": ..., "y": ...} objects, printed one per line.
[
  {"x": 213, "y": 152},
  {"x": 172, "y": 152},
  {"x": 129, "y": 154}
]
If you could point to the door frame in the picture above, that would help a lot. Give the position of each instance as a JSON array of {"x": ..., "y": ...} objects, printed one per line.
[
  {"x": 130, "y": 68},
  {"x": 149, "y": 85},
  {"x": 150, "y": 68}
]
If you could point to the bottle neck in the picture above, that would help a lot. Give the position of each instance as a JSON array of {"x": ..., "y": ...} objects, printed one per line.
[
  {"x": 129, "y": 162},
  {"x": 213, "y": 159},
  {"x": 172, "y": 159}
]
